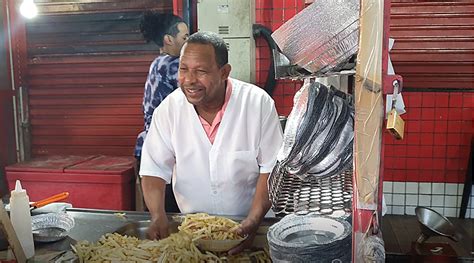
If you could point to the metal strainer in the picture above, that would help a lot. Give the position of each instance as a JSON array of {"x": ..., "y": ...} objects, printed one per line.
[
  {"x": 434, "y": 224},
  {"x": 51, "y": 227}
]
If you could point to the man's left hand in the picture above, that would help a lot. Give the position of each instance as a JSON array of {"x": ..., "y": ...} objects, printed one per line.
[{"x": 248, "y": 228}]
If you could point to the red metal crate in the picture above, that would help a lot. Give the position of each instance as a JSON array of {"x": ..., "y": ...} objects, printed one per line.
[{"x": 101, "y": 182}]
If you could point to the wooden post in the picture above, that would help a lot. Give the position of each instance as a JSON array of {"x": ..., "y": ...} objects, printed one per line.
[
  {"x": 7, "y": 228},
  {"x": 369, "y": 117}
]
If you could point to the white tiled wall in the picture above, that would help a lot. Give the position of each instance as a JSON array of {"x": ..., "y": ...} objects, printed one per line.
[{"x": 445, "y": 198}]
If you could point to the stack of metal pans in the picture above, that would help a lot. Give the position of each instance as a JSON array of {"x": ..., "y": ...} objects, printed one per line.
[{"x": 310, "y": 237}]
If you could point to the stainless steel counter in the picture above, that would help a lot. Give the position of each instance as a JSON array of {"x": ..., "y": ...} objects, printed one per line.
[{"x": 91, "y": 224}]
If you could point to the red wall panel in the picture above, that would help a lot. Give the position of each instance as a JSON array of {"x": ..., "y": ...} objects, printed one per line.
[
  {"x": 433, "y": 51},
  {"x": 273, "y": 14},
  {"x": 434, "y": 43},
  {"x": 437, "y": 137},
  {"x": 86, "y": 68},
  {"x": 85, "y": 87}
]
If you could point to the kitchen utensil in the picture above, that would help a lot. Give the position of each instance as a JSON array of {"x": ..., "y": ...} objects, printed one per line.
[
  {"x": 51, "y": 227},
  {"x": 433, "y": 224},
  {"x": 49, "y": 200},
  {"x": 218, "y": 245},
  {"x": 139, "y": 229}
]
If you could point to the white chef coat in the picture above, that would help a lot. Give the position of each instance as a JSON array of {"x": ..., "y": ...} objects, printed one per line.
[{"x": 217, "y": 178}]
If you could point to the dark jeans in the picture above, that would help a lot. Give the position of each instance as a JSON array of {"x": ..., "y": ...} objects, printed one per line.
[{"x": 170, "y": 201}]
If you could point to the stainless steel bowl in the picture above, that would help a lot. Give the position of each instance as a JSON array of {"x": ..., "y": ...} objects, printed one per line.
[{"x": 433, "y": 224}]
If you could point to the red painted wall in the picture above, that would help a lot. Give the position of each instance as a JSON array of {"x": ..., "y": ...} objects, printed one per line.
[
  {"x": 439, "y": 125},
  {"x": 433, "y": 51},
  {"x": 437, "y": 137},
  {"x": 272, "y": 14},
  {"x": 83, "y": 68}
]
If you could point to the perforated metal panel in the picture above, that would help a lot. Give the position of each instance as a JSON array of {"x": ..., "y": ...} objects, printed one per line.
[{"x": 330, "y": 196}]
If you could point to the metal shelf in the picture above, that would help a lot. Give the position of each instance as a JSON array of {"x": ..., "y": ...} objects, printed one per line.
[{"x": 285, "y": 70}]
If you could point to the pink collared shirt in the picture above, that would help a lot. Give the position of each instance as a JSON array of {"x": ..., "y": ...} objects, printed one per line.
[{"x": 211, "y": 129}]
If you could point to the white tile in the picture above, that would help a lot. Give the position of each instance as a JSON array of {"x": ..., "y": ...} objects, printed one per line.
[
  {"x": 437, "y": 200},
  {"x": 471, "y": 202},
  {"x": 450, "y": 201},
  {"x": 458, "y": 204},
  {"x": 440, "y": 210},
  {"x": 425, "y": 188},
  {"x": 438, "y": 188},
  {"x": 450, "y": 212},
  {"x": 411, "y": 200},
  {"x": 451, "y": 189},
  {"x": 388, "y": 199},
  {"x": 398, "y": 199},
  {"x": 424, "y": 200},
  {"x": 399, "y": 187},
  {"x": 460, "y": 189},
  {"x": 412, "y": 188},
  {"x": 472, "y": 213},
  {"x": 387, "y": 187},
  {"x": 398, "y": 210},
  {"x": 389, "y": 209},
  {"x": 410, "y": 210},
  {"x": 468, "y": 213}
]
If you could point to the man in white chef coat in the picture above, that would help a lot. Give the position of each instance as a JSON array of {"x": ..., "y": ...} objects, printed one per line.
[{"x": 219, "y": 135}]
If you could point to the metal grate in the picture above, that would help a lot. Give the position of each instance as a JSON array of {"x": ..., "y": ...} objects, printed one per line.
[
  {"x": 329, "y": 196},
  {"x": 223, "y": 30}
]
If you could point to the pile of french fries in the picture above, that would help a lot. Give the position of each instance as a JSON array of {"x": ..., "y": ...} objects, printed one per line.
[
  {"x": 178, "y": 247},
  {"x": 202, "y": 225}
]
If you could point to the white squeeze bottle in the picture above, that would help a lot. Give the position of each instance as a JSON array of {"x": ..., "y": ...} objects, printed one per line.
[{"x": 21, "y": 219}]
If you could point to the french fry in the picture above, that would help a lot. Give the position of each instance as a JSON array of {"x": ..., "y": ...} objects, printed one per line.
[
  {"x": 202, "y": 225},
  {"x": 178, "y": 247}
]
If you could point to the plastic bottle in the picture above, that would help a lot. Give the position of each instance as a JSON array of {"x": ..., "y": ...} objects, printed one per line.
[{"x": 21, "y": 219}]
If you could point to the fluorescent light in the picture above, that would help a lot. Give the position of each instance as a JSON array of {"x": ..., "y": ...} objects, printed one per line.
[{"x": 28, "y": 9}]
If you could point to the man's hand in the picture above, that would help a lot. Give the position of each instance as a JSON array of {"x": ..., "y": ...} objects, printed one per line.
[
  {"x": 248, "y": 228},
  {"x": 154, "y": 194},
  {"x": 158, "y": 228},
  {"x": 260, "y": 206}
]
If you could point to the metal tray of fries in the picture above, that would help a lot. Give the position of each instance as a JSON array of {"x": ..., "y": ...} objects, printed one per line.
[
  {"x": 92, "y": 224},
  {"x": 197, "y": 240}
]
